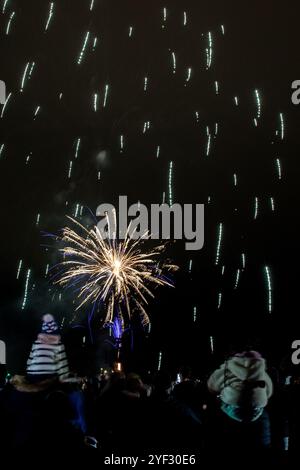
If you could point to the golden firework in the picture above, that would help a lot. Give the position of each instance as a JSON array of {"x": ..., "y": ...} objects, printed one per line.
[{"x": 115, "y": 272}]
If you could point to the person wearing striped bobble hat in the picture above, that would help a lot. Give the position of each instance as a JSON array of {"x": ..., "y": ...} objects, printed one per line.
[{"x": 47, "y": 357}]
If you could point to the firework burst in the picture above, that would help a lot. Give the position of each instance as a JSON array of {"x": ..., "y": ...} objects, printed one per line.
[{"x": 115, "y": 273}]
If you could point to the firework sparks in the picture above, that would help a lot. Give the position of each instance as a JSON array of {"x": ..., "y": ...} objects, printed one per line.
[
  {"x": 50, "y": 14},
  {"x": 159, "y": 361},
  {"x": 4, "y": 6},
  {"x": 1, "y": 149},
  {"x": 278, "y": 166},
  {"x": 24, "y": 77},
  {"x": 269, "y": 283},
  {"x": 83, "y": 48},
  {"x": 117, "y": 273},
  {"x": 174, "y": 62},
  {"x": 26, "y": 289},
  {"x": 9, "y": 22},
  {"x": 195, "y": 314},
  {"x": 219, "y": 243},
  {"x": 19, "y": 268},
  {"x": 105, "y": 95},
  {"x": 184, "y": 18}
]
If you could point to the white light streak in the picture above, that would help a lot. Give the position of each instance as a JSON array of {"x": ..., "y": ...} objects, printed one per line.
[
  {"x": 26, "y": 289},
  {"x": 49, "y": 15},
  {"x": 77, "y": 147},
  {"x": 9, "y": 22},
  {"x": 85, "y": 41},
  {"x": 256, "y": 208},
  {"x": 19, "y": 268},
  {"x": 219, "y": 243},
  {"x": 237, "y": 278},
  {"x": 70, "y": 169},
  {"x": 105, "y": 95},
  {"x": 269, "y": 283},
  {"x": 24, "y": 77}
]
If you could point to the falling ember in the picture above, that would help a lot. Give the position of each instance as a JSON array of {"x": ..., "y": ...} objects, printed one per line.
[
  {"x": 243, "y": 260},
  {"x": 105, "y": 95},
  {"x": 195, "y": 314},
  {"x": 164, "y": 15},
  {"x": 278, "y": 165},
  {"x": 281, "y": 126},
  {"x": 208, "y": 144},
  {"x": 184, "y": 18},
  {"x": 258, "y": 102},
  {"x": 209, "y": 51},
  {"x": 31, "y": 69},
  {"x": 36, "y": 112},
  {"x": 237, "y": 278},
  {"x": 83, "y": 48},
  {"x": 189, "y": 73},
  {"x": 117, "y": 274},
  {"x": 219, "y": 243},
  {"x": 95, "y": 102},
  {"x": 1, "y": 149},
  {"x": 9, "y": 22},
  {"x": 219, "y": 300},
  {"x": 4, "y": 6},
  {"x": 77, "y": 147},
  {"x": 269, "y": 284},
  {"x": 76, "y": 210},
  {"x": 145, "y": 83},
  {"x": 19, "y": 268},
  {"x": 256, "y": 208},
  {"x": 24, "y": 77},
  {"x": 174, "y": 62},
  {"x": 159, "y": 361},
  {"x": 46, "y": 270},
  {"x": 49, "y": 16},
  {"x": 70, "y": 169},
  {"x": 26, "y": 289}
]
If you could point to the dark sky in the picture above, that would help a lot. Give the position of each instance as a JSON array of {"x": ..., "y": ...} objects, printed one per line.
[{"x": 258, "y": 51}]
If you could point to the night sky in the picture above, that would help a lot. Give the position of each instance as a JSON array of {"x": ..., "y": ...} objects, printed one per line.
[{"x": 83, "y": 126}]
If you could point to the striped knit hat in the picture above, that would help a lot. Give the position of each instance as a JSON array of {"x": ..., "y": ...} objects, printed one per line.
[{"x": 49, "y": 326}]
